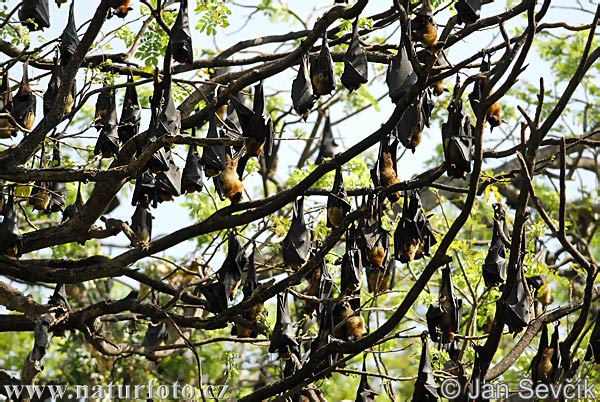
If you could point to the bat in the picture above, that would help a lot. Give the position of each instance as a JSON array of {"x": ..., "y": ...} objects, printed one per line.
[
  {"x": 192, "y": 178},
  {"x": 102, "y": 104},
  {"x": 321, "y": 70},
  {"x": 356, "y": 66},
  {"x": 400, "y": 74},
  {"x": 494, "y": 267},
  {"x": 351, "y": 273},
  {"x": 542, "y": 293},
  {"x": 165, "y": 118},
  {"x": 60, "y": 2},
  {"x": 424, "y": 28},
  {"x": 349, "y": 325},
  {"x": 303, "y": 98},
  {"x": 314, "y": 283},
  {"x": 518, "y": 302},
  {"x": 385, "y": 171},
  {"x": 159, "y": 161},
  {"x": 444, "y": 316},
  {"x": 131, "y": 114},
  {"x": 494, "y": 115},
  {"x": 364, "y": 393},
  {"x": 40, "y": 195},
  {"x": 7, "y": 128},
  {"x": 261, "y": 126},
  {"x": 593, "y": 350},
  {"x": 73, "y": 210},
  {"x": 121, "y": 7},
  {"x": 468, "y": 11},
  {"x": 414, "y": 236},
  {"x": 156, "y": 334},
  {"x": 215, "y": 296},
  {"x": 411, "y": 125},
  {"x": 69, "y": 39},
  {"x": 230, "y": 273},
  {"x": 337, "y": 201},
  {"x": 181, "y": 38},
  {"x": 24, "y": 102},
  {"x": 426, "y": 389},
  {"x": 52, "y": 91},
  {"x": 11, "y": 239},
  {"x": 214, "y": 158},
  {"x": 58, "y": 190},
  {"x": 457, "y": 140},
  {"x": 271, "y": 162},
  {"x": 141, "y": 223},
  {"x": 546, "y": 364},
  {"x": 438, "y": 86},
  {"x": 168, "y": 184},
  {"x": 35, "y": 14},
  {"x": 108, "y": 141},
  {"x": 373, "y": 240},
  {"x": 380, "y": 279},
  {"x": 145, "y": 191},
  {"x": 296, "y": 244},
  {"x": 324, "y": 314},
  {"x": 239, "y": 112},
  {"x": 233, "y": 187},
  {"x": 327, "y": 145},
  {"x": 481, "y": 86},
  {"x": 283, "y": 338},
  {"x": 254, "y": 313}
]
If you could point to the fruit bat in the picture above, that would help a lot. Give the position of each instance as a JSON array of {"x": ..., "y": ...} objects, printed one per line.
[
  {"x": 385, "y": 171},
  {"x": 593, "y": 349},
  {"x": 542, "y": 293},
  {"x": 481, "y": 86},
  {"x": 60, "y": 2},
  {"x": 168, "y": 184},
  {"x": 156, "y": 334},
  {"x": 192, "y": 178},
  {"x": 261, "y": 126},
  {"x": 324, "y": 313},
  {"x": 400, "y": 74},
  {"x": 141, "y": 223},
  {"x": 349, "y": 324},
  {"x": 494, "y": 115},
  {"x": 337, "y": 201},
  {"x": 181, "y": 38},
  {"x": 494, "y": 267},
  {"x": 412, "y": 123},
  {"x": 159, "y": 161},
  {"x": 423, "y": 26},
  {"x": 271, "y": 162},
  {"x": 426, "y": 389},
  {"x": 457, "y": 140},
  {"x": 1, "y": 195},
  {"x": 11, "y": 239},
  {"x": 215, "y": 296},
  {"x": 102, "y": 104},
  {"x": 444, "y": 316},
  {"x": 121, "y": 7},
  {"x": 108, "y": 139},
  {"x": 468, "y": 11},
  {"x": 35, "y": 14},
  {"x": 230, "y": 274},
  {"x": 239, "y": 112},
  {"x": 296, "y": 244},
  {"x": 364, "y": 393},
  {"x": 52, "y": 91},
  {"x": 303, "y": 98},
  {"x": 40, "y": 195},
  {"x": 546, "y": 364},
  {"x": 380, "y": 279},
  {"x": 7, "y": 128},
  {"x": 228, "y": 183},
  {"x": 165, "y": 118},
  {"x": 253, "y": 313},
  {"x": 214, "y": 158},
  {"x": 58, "y": 190},
  {"x": 59, "y": 297},
  {"x": 321, "y": 70},
  {"x": 518, "y": 302},
  {"x": 69, "y": 39},
  {"x": 23, "y": 108},
  {"x": 438, "y": 86},
  {"x": 283, "y": 338},
  {"x": 131, "y": 115},
  {"x": 73, "y": 210},
  {"x": 414, "y": 236},
  {"x": 351, "y": 274},
  {"x": 145, "y": 191},
  {"x": 356, "y": 67},
  {"x": 314, "y": 286},
  {"x": 328, "y": 145}
]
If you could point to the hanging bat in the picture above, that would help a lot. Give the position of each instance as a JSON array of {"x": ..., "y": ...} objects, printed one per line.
[
  {"x": 181, "y": 38},
  {"x": 108, "y": 140},
  {"x": 314, "y": 282},
  {"x": 593, "y": 350},
  {"x": 426, "y": 389},
  {"x": 11, "y": 239},
  {"x": 40, "y": 195},
  {"x": 424, "y": 28},
  {"x": 494, "y": 267},
  {"x": 327, "y": 145},
  {"x": 414, "y": 236},
  {"x": 159, "y": 161},
  {"x": 324, "y": 315},
  {"x": 411, "y": 125},
  {"x": 546, "y": 364},
  {"x": 542, "y": 293},
  {"x": 468, "y": 11},
  {"x": 261, "y": 126},
  {"x": 24, "y": 102},
  {"x": 156, "y": 334},
  {"x": 131, "y": 115},
  {"x": 165, "y": 118},
  {"x": 351, "y": 273},
  {"x": 215, "y": 296},
  {"x": 121, "y": 7},
  {"x": 73, "y": 210},
  {"x": 380, "y": 279},
  {"x": 400, "y": 74},
  {"x": 494, "y": 115},
  {"x": 145, "y": 191},
  {"x": 296, "y": 244},
  {"x": 321, "y": 70},
  {"x": 168, "y": 184},
  {"x": 457, "y": 140},
  {"x": 364, "y": 393},
  {"x": 35, "y": 14},
  {"x": 283, "y": 338},
  {"x": 349, "y": 324},
  {"x": 141, "y": 223},
  {"x": 444, "y": 316},
  {"x": 254, "y": 313},
  {"x": 69, "y": 39},
  {"x": 356, "y": 66},
  {"x": 233, "y": 187},
  {"x": 214, "y": 158},
  {"x": 239, "y": 112},
  {"x": 438, "y": 87},
  {"x": 102, "y": 104},
  {"x": 481, "y": 85},
  {"x": 518, "y": 302},
  {"x": 337, "y": 201},
  {"x": 192, "y": 178},
  {"x": 385, "y": 172},
  {"x": 58, "y": 190},
  {"x": 7, "y": 128},
  {"x": 52, "y": 91},
  {"x": 303, "y": 98},
  {"x": 230, "y": 273}
]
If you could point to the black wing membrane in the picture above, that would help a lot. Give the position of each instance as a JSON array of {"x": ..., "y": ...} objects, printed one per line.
[
  {"x": 283, "y": 338},
  {"x": 131, "y": 115},
  {"x": 73, "y": 210},
  {"x": 356, "y": 66},
  {"x": 468, "y": 11},
  {"x": 400, "y": 75},
  {"x": 168, "y": 184},
  {"x": 593, "y": 349},
  {"x": 351, "y": 274},
  {"x": 69, "y": 39},
  {"x": 214, "y": 157},
  {"x": 166, "y": 119},
  {"x": 192, "y": 178},
  {"x": 337, "y": 201},
  {"x": 321, "y": 70},
  {"x": 303, "y": 98},
  {"x": 426, "y": 389},
  {"x": 296, "y": 244},
  {"x": 518, "y": 302},
  {"x": 445, "y": 315},
  {"x": 328, "y": 144},
  {"x": 457, "y": 140},
  {"x": 35, "y": 14},
  {"x": 141, "y": 223},
  {"x": 365, "y": 393},
  {"x": 58, "y": 190},
  {"x": 24, "y": 102},
  {"x": 108, "y": 140},
  {"x": 11, "y": 239},
  {"x": 494, "y": 267},
  {"x": 181, "y": 38},
  {"x": 230, "y": 273},
  {"x": 145, "y": 192}
]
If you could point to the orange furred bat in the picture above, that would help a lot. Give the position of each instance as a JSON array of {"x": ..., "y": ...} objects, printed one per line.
[
  {"x": 122, "y": 7},
  {"x": 494, "y": 115},
  {"x": 376, "y": 255},
  {"x": 350, "y": 326},
  {"x": 388, "y": 175},
  {"x": 232, "y": 184}
]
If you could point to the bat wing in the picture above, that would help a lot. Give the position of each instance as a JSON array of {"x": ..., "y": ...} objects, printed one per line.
[
  {"x": 593, "y": 350},
  {"x": 169, "y": 118},
  {"x": 494, "y": 267},
  {"x": 283, "y": 333},
  {"x": 192, "y": 176},
  {"x": 73, "y": 210},
  {"x": 6, "y": 99},
  {"x": 518, "y": 304},
  {"x": 427, "y": 105},
  {"x": 131, "y": 114},
  {"x": 296, "y": 244},
  {"x": 215, "y": 296},
  {"x": 214, "y": 157},
  {"x": 108, "y": 140},
  {"x": 426, "y": 389},
  {"x": 243, "y": 113},
  {"x": 145, "y": 185},
  {"x": 356, "y": 67},
  {"x": 433, "y": 316},
  {"x": 69, "y": 39},
  {"x": 52, "y": 90},
  {"x": 24, "y": 101},
  {"x": 468, "y": 11},
  {"x": 10, "y": 235},
  {"x": 169, "y": 182},
  {"x": 35, "y": 14},
  {"x": 181, "y": 38},
  {"x": 142, "y": 220},
  {"x": 328, "y": 144},
  {"x": 251, "y": 282},
  {"x": 400, "y": 75},
  {"x": 321, "y": 71},
  {"x": 155, "y": 334},
  {"x": 351, "y": 270},
  {"x": 303, "y": 98},
  {"x": 58, "y": 189},
  {"x": 364, "y": 393}
]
